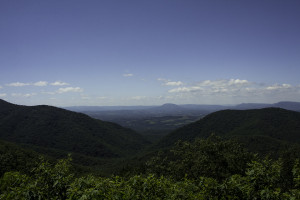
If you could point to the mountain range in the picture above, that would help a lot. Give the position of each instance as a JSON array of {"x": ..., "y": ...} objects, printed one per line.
[
  {"x": 168, "y": 109},
  {"x": 46, "y": 129},
  {"x": 157, "y": 121}
]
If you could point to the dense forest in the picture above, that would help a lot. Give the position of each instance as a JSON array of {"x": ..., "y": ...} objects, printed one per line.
[
  {"x": 249, "y": 154},
  {"x": 204, "y": 169}
]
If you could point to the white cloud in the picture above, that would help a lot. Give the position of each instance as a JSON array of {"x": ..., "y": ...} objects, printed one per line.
[
  {"x": 23, "y": 95},
  {"x": 1, "y": 87},
  {"x": 102, "y": 98},
  {"x": 40, "y": 83},
  {"x": 138, "y": 98},
  {"x": 174, "y": 83},
  {"x": 3, "y": 95},
  {"x": 69, "y": 89},
  {"x": 238, "y": 82},
  {"x": 29, "y": 94},
  {"x": 51, "y": 93},
  {"x": 127, "y": 75},
  {"x": 236, "y": 90},
  {"x": 212, "y": 87},
  {"x": 59, "y": 83},
  {"x": 180, "y": 89},
  {"x": 186, "y": 89},
  {"x": 66, "y": 90},
  {"x": 17, "y": 84},
  {"x": 162, "y": 79},
  {"x": 278, "y": 86},
  {"x": 223, "y": 83},
  {"x": 169, "y": 82}
]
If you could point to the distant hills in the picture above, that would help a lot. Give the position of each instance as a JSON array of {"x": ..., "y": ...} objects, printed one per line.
[
  {"x": 260, "y": 129},
  {"x": 55, "y": 131},
  {"x": 47, "y": 127},
  {"x": 157, "y": 121},
  {"x": 151, "y": 121},
  {"x": 115, "y": 112},
  {"x": 168, "y": 109},
  {"x": 295, "y": 106},
  {"x": 56, "y": 128},
  {"x": 171, "y": 109}
]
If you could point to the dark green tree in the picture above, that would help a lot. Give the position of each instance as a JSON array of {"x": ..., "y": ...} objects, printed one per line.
[
  {"x": 211, "y": 157},
  {"x": 47, "y": 181}
]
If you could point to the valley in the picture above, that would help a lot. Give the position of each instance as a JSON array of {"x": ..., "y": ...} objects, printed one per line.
[
  {"x": 154, "y": 122},
  {"x": 171, "y": 141}
]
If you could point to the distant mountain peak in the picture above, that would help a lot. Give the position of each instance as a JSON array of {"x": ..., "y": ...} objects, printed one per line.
[{"x": 169, "y": 105}]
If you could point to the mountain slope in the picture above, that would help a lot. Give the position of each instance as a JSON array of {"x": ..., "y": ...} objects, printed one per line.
[
  {"x": 16, "y": 158},
  {"x": 272, "y": 125},
  {"x": 51, "y": 127},
  {"x": 288, "y": 105}
]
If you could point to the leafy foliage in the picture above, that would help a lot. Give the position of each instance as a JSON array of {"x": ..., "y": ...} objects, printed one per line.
[
  {"x": 212, "y": 157},
  {"x": 261, "y": 181},
  {"x": 16, "y": 158},
  {"x": 45, "y": 182}
]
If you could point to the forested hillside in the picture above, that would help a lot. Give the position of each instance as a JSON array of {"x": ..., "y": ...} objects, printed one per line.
[
  {"x": 16, "y": 158},
  {"x": 55, "y": 128},
  {"x": 264, "y": 130}
]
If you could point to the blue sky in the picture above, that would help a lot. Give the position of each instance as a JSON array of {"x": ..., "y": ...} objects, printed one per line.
[{"x": 109, "y": 52}]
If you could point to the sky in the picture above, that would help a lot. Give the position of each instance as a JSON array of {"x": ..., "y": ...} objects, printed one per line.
[{"x": 149, "y": 52}]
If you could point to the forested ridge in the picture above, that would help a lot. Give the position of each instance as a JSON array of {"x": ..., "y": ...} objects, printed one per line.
[
  {"x": 262, "y": 130},
  {"x": 252, "y": 154},
  {"x": 56, "y": 131},
  {"x": 217, "y": 169}
]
